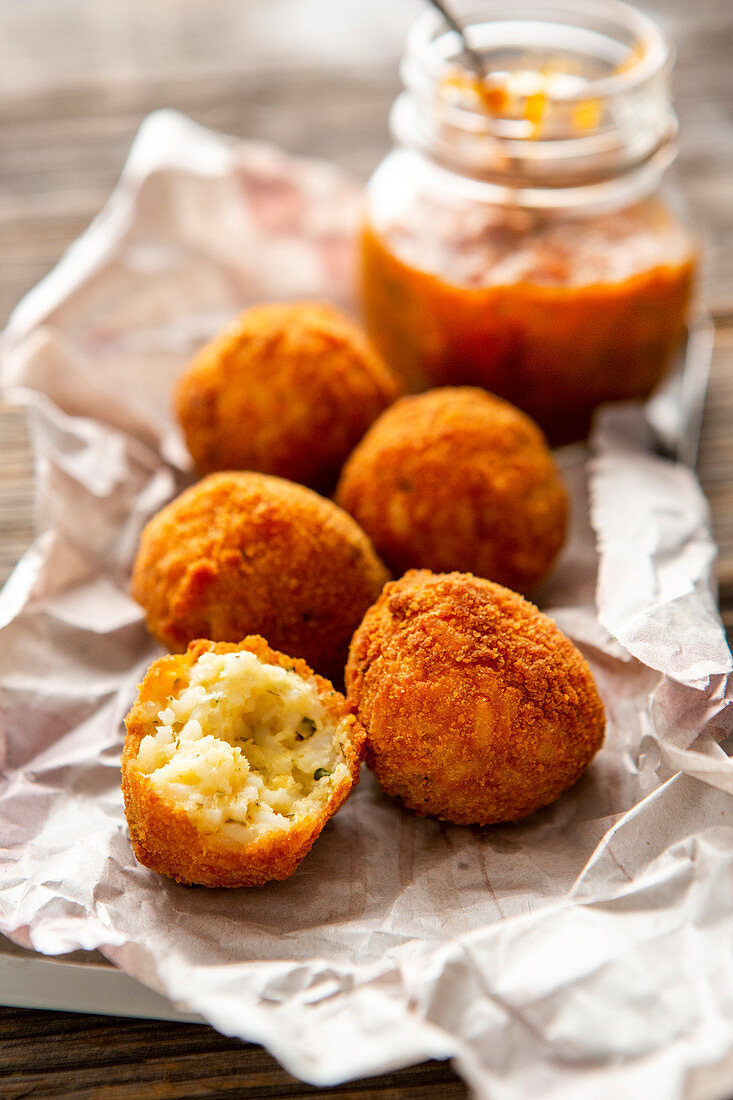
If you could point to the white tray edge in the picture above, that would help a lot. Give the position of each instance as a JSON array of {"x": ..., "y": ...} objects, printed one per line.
[{"x": 38, "y": 982}]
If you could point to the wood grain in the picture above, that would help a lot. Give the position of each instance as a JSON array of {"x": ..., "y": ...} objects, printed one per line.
[{"x": 52, "y": 1054}]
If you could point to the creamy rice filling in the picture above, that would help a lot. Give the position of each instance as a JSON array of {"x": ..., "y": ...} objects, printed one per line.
[{"x": 244, "y": 748}]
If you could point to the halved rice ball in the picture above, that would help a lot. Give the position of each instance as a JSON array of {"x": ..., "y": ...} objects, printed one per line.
[{"x": 235, "y": 758}]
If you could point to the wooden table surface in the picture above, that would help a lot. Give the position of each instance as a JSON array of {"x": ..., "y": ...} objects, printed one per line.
[{"x": 76, "y": 78}]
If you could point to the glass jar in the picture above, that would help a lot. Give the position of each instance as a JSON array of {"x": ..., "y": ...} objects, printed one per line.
[{"x": 523, "y": 235}]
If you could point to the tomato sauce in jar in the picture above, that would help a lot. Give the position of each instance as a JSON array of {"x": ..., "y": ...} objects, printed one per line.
[{"x": 525, "y": 241}]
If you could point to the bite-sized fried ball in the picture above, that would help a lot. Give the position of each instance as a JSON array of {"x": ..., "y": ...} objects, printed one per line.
[
  {"x": 287, "y": 390},
  {"x": 242, "y": 553},
  {"x": 235, "y": 758},
  {"x": 458, "y": 479},
  {"x": 477, "y": 709}
]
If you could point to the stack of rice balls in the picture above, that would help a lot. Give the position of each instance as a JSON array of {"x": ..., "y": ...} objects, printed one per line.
[{"x": 269, "y": 580}]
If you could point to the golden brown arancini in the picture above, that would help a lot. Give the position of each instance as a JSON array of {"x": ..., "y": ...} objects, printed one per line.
[
  {"x": 287, "y": 389},
  {"x": 477, "y": 708},
  {"x": 458, "y": 479},
  {"x": 235, "y": 758},
  {"x": 241, "y": 553}
]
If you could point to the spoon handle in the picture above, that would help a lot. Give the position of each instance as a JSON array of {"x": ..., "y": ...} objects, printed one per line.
[{"x": 472, "y": 56}]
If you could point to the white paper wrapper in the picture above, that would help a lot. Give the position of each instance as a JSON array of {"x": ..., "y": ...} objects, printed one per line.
[{"x": 583, "y": 953}]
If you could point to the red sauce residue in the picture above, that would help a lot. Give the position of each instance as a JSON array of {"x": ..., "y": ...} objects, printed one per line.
[{"x": 501, "y": 95}]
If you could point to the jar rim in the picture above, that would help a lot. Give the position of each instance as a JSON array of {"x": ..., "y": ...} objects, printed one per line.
[
  {"x": 657, "y": 54},
  {"x": 584, "y": 93}
]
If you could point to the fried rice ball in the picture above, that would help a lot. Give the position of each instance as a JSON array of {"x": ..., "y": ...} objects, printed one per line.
[
  {"x": 241, "y": 553},
  {"x": 286, "y": 390},
  {"x": 235, "y": 758},
  {"x": 477, "y": 709},
  {"x": 458, "y": 479}
]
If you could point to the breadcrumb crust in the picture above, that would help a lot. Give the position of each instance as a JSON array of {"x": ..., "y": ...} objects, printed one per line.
[
  {"x": 457, "y": 479},
  {"x": 286, "y": 389},
  {"x": 242, "y": 553},
  {"x": 477, "y": 708}
]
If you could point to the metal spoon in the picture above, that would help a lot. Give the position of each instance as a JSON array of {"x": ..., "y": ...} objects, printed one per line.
[{"x": 472, "y": 56}]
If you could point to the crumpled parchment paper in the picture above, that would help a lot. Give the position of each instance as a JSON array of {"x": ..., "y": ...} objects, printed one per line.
[{"x": 586, "y": 952}]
